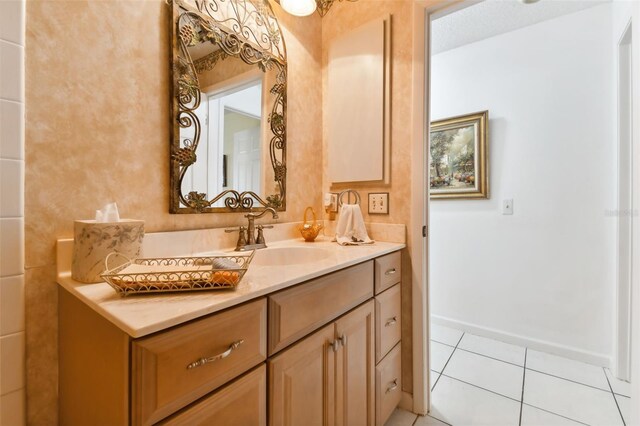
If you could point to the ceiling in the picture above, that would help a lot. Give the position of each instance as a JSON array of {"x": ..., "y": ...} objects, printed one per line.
[{"x": 492, "y": 17}]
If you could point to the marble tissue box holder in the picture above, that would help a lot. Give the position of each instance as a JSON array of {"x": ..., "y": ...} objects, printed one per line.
[{"x": 93, "y": 241}]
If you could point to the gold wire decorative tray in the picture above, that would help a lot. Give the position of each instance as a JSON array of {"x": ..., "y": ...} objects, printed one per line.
[{"x": 170, "y": 274}]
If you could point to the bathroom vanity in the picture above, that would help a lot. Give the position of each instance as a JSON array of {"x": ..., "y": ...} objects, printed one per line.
[{"x": 315, "y": 341}]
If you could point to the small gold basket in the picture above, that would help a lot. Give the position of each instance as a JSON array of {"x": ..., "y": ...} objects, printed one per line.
[
  {"x": 171, "y": 274},
  {"x": 310, "y": 230}
]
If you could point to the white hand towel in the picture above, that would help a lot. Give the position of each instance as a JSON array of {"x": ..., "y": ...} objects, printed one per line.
[{"x": 350, "y": 229}]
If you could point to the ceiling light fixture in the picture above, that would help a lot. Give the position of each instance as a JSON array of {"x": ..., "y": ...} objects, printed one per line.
[
  {"x": 307, "y": 7},
  {"x": 299, "y": 7}
]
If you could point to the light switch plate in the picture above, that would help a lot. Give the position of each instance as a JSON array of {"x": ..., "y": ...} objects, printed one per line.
[
  {"x": 507, "y": 207},
  {"x": 379, "y": 203}
]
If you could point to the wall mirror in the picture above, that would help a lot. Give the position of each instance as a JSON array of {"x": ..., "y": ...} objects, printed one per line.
[{"x": 228, "y": 142}]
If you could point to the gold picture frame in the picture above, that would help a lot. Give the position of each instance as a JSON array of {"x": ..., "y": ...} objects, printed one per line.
[{"x": 458, "y": 157}]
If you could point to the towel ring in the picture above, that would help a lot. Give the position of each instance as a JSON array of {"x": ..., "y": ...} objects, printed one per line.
[{"x": 348, "y": 193}]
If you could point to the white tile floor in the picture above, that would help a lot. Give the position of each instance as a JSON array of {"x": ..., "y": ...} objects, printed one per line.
[{"x": 479, "y": 381}]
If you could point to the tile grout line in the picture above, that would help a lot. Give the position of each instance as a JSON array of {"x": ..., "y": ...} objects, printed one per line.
[
  {"x": 524, "y": 375},
  {"x": 12, "y": 42},
  {"x": 556, "y": 414},
  {"x": 413, "y": 423},
  {"x": 11, "y": 276},
  {"x": 481, "y": 388},
  {"x": 447, "y": 363},
  {"x": 11, "y": 101},
  {"x": 428, "y": 415},
  {"x": 21, "y": 389},
  {"x": 522, "y": 403},
  {"x": 13, "y": 334},
  {"x": 568, "y": 380},
  {"x": 512, "y": 399},
  {"x": 480, "y": 354},
  {"x": 442, "y": 343},
  {"x": 614, "y": 396},
  {"x": 490, "y": 357}
]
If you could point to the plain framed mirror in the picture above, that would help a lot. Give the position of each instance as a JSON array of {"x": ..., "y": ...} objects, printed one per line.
[{"x": 228, "y": 138}]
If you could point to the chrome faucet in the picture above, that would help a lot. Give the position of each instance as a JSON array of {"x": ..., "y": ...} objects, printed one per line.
[{"x": 251, "y": 241}]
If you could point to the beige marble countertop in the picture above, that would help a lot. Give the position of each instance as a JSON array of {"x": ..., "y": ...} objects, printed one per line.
[{"x": 141, "y": 315}]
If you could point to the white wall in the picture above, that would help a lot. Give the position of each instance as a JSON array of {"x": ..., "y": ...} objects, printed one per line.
[
  {"x": 12, "y": 374},
  {"x": 544, "y": 276}
]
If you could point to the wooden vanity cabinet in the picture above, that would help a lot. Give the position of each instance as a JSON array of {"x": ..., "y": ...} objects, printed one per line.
[{"x": 324, "y": 352}]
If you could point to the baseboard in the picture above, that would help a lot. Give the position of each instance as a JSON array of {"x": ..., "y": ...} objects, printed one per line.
[{"x": 600, "y": 360}]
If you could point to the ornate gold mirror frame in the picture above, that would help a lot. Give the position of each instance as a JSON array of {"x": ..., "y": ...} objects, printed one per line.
[{"x": 245, "y": 29}]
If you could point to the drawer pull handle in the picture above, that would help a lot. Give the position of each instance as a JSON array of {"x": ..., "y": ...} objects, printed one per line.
[
  {"x": 335, "y": 345},
  {"x": 393, "y": 386},
  {"x": 343, "y": 340},
  {"x": 203, "y": 361},
  {"x": 340, "y": 341},
  {"x": 391, "y": 321},
  {"x": 390, "y": 271}
]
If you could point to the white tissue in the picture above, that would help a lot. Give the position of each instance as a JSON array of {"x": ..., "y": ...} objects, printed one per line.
[{"x": 109, "y": 213}]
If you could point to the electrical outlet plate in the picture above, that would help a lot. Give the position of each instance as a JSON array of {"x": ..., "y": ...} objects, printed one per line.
[{"x": 379, "y": 203}]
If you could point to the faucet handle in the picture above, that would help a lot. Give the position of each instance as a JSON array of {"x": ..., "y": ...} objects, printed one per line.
[
  {"x": 242, "y": 236},
  {"x": 260, "y": 237},
  {"x": 264, "y": 226}
]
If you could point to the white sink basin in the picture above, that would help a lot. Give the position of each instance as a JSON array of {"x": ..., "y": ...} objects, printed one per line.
[{"x": 282, "y": 256}]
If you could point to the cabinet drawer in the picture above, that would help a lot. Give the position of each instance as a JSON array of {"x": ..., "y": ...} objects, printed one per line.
[
  {"x": 388, "y": 271},
  {"x": 388, "y": 330},
  {"x": 242, "y": 403},
  {"x": 388, "y": 385},
  {"x": 296, "y": 312},
  {"x": 167, "y": 368}
]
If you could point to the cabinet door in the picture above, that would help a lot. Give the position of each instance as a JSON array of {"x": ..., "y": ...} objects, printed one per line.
[
  {"x": 355, "y": 367},
  {"x": 301, "y": 382}
]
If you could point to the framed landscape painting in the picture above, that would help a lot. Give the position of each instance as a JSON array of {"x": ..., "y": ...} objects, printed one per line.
[{"x": 458, "y": 157}]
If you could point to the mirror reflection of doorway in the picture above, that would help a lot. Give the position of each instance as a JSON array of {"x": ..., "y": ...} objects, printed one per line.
[
  {"x": 242, "y": 147},
  {"x": 230, "y": 141},
  {"x": 235, "y": 123}
]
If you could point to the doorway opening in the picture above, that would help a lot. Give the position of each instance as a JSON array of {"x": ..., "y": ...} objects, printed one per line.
[{"x": 522, "y": 283}]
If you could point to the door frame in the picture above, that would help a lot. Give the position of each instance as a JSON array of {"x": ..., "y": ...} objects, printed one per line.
[
  {"x": 423, "y": 10},
  {"x": 625, "y": 187}
]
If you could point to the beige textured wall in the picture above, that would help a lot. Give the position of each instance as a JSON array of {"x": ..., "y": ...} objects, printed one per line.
[
  {"x": 97, "y": 96},
  {"x": 341, "y": 18},
  {"x": 224, "y": 70}
]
